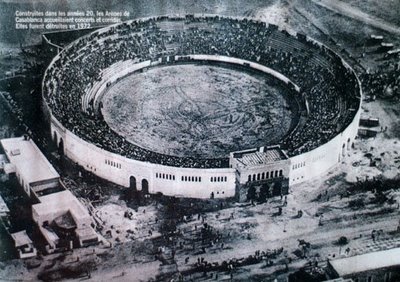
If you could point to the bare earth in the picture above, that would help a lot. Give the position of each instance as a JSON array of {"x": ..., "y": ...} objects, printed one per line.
[{"x": 197, "y": 110}]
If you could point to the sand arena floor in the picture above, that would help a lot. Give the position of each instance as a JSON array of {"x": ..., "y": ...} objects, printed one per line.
[{"x": 199, "y": 110}]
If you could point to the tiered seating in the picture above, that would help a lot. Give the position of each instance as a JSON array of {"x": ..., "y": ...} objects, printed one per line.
[{"x": 73, "y": 81}]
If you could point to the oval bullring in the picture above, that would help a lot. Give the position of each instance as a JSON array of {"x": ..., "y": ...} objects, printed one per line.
[{"x": 111, "y": 135}]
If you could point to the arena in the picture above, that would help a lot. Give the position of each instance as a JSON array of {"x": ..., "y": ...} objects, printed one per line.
[{"x": 197, "y": 106}]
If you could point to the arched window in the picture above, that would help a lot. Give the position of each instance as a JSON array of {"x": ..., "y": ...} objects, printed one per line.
[
  {"x": 61, "y": 147},
  {"x": 55, "y": 138}
]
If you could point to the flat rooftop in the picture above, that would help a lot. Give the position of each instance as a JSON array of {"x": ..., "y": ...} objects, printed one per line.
[
  {"x": 259, "y": 158},
  {"x": 366, "y": 262},
  {"x": 28, "y": 160},
  {"x": 21, "y": 238},
  {"x": 63, "y": 201}
]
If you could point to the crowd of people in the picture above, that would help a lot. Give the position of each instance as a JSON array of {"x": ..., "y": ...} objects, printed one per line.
[{"x": 328, "y": 89}]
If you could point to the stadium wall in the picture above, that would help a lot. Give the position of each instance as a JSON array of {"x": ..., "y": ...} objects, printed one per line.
[
  {"x": 119, "y": 169},
  {"x": 301, "y": 168},
  {"x": 316, "y": 162}
]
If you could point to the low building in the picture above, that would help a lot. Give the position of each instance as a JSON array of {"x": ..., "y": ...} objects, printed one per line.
[
  {"x": 23, "y": 244},
  {"x": 376, "y": 266},
  {"x": 61, "y": 217},
  {"x": 33, "y": 170},
  {"x": 369, "y": 122},
  {"x": 367, "y": 133}
]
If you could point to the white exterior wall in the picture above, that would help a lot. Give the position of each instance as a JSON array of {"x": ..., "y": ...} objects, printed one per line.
[
  {"x": 94, "y": 159},
  {"x": 316, "y": 162},
  {"x": 272, "y": 167},
  {"x": 50, "y": 216},
  {"x": 22, "y": 181}
]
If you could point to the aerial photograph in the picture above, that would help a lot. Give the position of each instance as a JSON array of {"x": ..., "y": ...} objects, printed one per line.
[{"x": 212, "y": 140}]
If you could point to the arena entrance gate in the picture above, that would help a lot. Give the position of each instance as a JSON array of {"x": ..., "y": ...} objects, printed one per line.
[
  {"x": 61, "y": 147},
  {"x": 145, "y": 186},
  {"x": 132, "y": 183}
]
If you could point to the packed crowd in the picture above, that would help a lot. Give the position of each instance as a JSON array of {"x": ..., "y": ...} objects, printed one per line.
[{"x": 330, "y": 89}]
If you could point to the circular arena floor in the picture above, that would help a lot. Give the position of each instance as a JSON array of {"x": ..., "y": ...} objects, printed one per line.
[{"x": 198, "y": 110}]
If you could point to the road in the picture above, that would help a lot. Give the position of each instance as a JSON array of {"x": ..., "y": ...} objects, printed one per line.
[{"x": 355, "y": 13}]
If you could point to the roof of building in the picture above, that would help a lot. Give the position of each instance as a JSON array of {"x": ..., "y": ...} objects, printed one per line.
[
  {"x": 21, "y": 238},
  {"x": 86, "y": 233},
  {"x": 50, "y": 236},
  {"x": 60, "y": 202},
  {"x": 366, "y": 262},
  {"x": 259, "y": 158},
  {"x": 28, "y": 159}
]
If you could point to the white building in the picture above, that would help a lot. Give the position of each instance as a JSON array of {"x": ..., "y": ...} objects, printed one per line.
[
  {"x": 376, "y": 266},
  {"x": 64, "y": 212},
  {"x": 23, "y": 244},
  {"x": 33, "y": 170},
  {"x": 59, "y": 215}
]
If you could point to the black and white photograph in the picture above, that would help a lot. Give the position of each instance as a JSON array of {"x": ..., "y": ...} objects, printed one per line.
[{"x": 212, "y": 140}]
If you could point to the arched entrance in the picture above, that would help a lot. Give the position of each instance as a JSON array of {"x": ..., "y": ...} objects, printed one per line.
[
  {"x": 145, "y": 186},
  {"x": 55, "y": 138},
  {"x": 132, "y": 183},
  {"x": 61, "y": 147}
]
